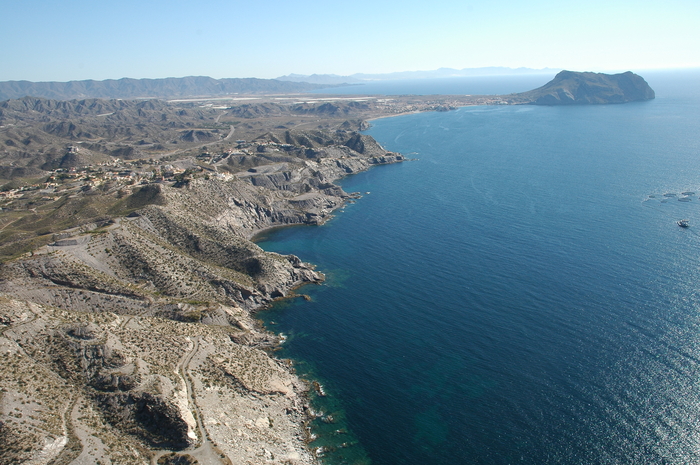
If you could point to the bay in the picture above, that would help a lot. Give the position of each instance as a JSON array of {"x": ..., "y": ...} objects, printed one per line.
[{"x": 518, "y": 293}]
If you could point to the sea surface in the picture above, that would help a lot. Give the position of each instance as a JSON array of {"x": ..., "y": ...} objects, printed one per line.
[{"x": 519, "y": 292}]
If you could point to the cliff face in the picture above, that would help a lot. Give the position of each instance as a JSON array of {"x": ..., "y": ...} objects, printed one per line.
[
  {"x": 574, "y": 88},
  {"x": 143, "y": 325}
]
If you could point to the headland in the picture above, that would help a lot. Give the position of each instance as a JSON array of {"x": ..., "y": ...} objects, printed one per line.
[{"x": 576, "y": 88}]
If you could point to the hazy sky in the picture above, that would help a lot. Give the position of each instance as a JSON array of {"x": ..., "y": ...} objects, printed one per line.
[{"x": 63, "y": 40}]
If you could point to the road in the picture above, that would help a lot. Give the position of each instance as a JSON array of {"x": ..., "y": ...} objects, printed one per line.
[{"x": 228, "y": 137}]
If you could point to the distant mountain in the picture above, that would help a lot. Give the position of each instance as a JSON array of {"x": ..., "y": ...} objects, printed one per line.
[
  {"x": 334, "y": 79},
  {"x": 451, "y": 72},
  {"x": 192, "y": 86},
  {"x": 575, "y": 88},
  {"x": 325, "y": 79}
]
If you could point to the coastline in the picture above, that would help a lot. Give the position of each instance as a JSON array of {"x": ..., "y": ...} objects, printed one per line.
[
  {"x": 402, "y": 434},
  {"x": 184, "y": 261},
  {"x": 327, "y": 431},
  {"x": 314, "y": 395},
  {"x": 183, "y": 252}
]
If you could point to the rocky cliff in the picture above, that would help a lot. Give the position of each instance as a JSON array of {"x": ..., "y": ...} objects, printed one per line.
[{"x": 575, "y": 88}]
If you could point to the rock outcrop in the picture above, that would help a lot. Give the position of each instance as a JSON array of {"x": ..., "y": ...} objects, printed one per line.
[{"x": 96, "y": 387}]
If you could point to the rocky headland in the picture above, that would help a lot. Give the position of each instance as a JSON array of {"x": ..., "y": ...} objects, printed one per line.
[{"x": 576, "y": 88}]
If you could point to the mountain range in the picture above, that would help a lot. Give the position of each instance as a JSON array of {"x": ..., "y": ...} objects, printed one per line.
[{"x": 128, "y": 88}]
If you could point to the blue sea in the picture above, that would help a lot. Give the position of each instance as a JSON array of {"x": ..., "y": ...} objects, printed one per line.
[{"x": 518, "y": 292}]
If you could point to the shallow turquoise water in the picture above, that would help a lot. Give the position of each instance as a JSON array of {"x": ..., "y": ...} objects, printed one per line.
[{"x": 515, "y": 294}]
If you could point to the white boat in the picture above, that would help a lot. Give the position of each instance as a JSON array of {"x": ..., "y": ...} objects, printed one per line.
[{"x": 683, "y": 223}]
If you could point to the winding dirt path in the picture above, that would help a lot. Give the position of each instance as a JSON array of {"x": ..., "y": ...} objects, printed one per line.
[{"x": 206, "y": 452}]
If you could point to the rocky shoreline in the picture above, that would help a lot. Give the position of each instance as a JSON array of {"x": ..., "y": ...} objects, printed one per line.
[{"x": 134, "y": 340}]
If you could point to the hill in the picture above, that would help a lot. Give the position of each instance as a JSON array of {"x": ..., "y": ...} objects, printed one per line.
[{"x": 576, "y": 88}]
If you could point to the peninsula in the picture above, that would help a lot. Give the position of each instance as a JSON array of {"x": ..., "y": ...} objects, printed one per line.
[{"x": 129, "y": 282}]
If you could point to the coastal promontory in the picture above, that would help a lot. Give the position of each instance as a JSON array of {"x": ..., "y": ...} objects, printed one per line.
[{"x": 577, "y": 88}]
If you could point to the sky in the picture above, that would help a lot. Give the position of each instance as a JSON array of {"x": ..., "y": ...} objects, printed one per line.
[{"x": 67, "y": 40}]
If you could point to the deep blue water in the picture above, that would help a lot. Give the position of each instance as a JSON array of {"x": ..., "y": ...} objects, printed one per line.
[{"x": 519, "y": 293}]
